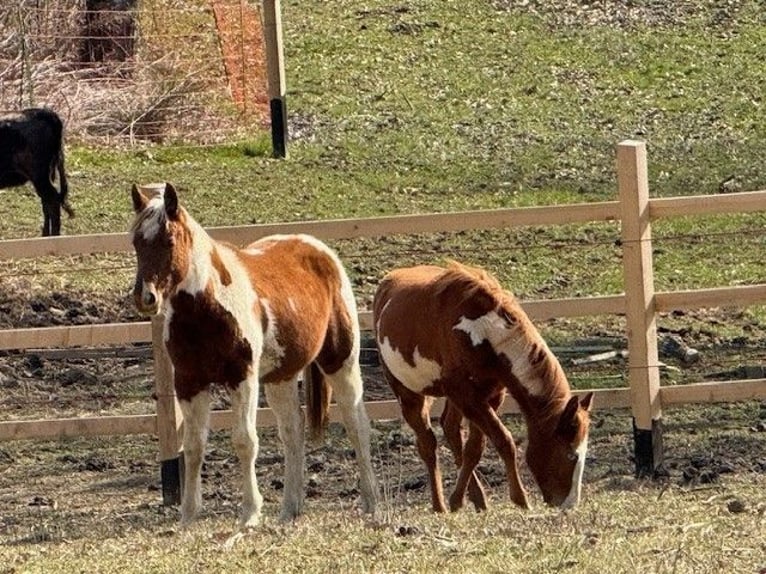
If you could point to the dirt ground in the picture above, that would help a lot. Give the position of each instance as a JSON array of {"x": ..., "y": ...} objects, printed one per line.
[{"x": 57, "y": 490}]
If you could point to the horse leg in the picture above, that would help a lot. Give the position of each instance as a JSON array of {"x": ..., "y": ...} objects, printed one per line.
[
  {"x": 46, "y": 229},
  {"x": 347, "y": 388},
  {"x": 51, "y": 204},
  {"x": 284, "y": 401},
  {"x": 472, "y": 451},
  {"x": 244, "y": 406},
  {"x": 486, "y": 419},
  {"x": 196, "y": 413},
  {"x": 416, "y": 410},
  {"x": 451, "y": 422}
]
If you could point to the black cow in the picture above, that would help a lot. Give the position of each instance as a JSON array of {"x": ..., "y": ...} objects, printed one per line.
[{"x": 32, "y": 149}]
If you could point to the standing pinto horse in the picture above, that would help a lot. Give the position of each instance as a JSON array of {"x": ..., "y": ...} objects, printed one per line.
[
  {"x": 239, "y": 316},
  {"x": 456, "y": 333}
]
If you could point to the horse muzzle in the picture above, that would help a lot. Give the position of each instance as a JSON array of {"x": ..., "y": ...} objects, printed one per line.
[{"x": 147, "y": 299}]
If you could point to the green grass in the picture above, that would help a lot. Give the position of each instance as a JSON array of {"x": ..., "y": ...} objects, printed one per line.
[
  {"x": 434, "y": 106},
  {"x": 441, "y": 106},
  {"x": 437, "y": 106}
]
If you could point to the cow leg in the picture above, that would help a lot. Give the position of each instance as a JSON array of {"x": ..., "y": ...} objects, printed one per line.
[
  {"x": 284, "y": 400},
  {"x": 244, "y": 405},
  {"x": 416, "y": 410},
  {"x": 483, "y": 415},
  {"x": 451, "y": 421},
  {"x": 347, "y": 388},
  {"x": 196, "y": 413}
]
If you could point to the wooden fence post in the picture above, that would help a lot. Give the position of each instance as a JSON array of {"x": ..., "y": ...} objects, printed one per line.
[
  {"x": 169, "y": 418},
  {"x": 640, "y": 307},
  {"x": 275, "y": 68}
]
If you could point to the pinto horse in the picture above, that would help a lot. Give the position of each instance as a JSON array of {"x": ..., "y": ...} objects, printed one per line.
[
  {"x": 240, "y": 317},
  {"x": 454, "y": 332}
]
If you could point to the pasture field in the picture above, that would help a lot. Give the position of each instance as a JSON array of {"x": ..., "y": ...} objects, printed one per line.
[
  {"x": 94, "y": 506},
  {"x": 417, "y": 107}
]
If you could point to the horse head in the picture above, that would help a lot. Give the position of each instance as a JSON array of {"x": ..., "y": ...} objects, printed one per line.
[
  {"x": 556, "y": 453},
  {"x": 162, "y": 241}
]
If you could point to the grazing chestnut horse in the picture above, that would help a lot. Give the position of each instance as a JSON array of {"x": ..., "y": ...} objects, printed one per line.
[
  {"x": 454, "y": 332},
  {"x": 237, "y": 317}
]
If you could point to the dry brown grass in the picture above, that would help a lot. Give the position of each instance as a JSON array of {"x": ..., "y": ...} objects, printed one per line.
[
  {"x": 94, "y": 506},
  {"x": 172, "y": 89}
]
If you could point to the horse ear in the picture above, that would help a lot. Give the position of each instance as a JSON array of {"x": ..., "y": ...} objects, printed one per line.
[
  {"x": 171, "y": 201},
  {"x": 567, "y": 426},
  {"x": 587, "y": 401},
  {"x": 139, "y": 199}
]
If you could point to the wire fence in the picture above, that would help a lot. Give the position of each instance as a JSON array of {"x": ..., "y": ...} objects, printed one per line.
[
  {"x": 123, "y": 384},
  {"x": 130, "y": 73}
]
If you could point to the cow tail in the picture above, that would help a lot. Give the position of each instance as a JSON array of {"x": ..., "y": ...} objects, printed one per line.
[{"x": 318, "y": 394}]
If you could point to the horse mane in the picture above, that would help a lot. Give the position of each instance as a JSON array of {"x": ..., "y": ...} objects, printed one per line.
[
  {"x": 476, "y": 281},
  {"x": 157, "y": 209}
]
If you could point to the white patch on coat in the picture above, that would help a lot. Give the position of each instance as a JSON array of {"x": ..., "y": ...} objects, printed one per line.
[
  {"x": 346, "y": 293},
  {"x": 200, "y": 264},
  {"x": 273, "y": 352},
  {"x": 508, "y": 340},
  {"x": 423, "y": 375},
  {"x": 238, "y": 297},
  {"x": 255, "y": 251},
  {"x": 574, "y": 493},
  {"x": 261, "y": 247}
]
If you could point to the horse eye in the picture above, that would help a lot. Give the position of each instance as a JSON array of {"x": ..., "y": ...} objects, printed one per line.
[
  {"x": 508, "y": 317},
  {"x": 572, "y": 456}
]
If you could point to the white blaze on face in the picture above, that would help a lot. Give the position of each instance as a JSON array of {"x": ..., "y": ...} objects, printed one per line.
[
  {"x": 505, "y": 340},
  {"x": 574, "y": 493}
]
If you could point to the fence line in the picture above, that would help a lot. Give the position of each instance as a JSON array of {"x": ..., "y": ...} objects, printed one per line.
[
  {"x": 640, "y": 304},
  {"x": 741, "y": 202},
  {"x": 539, "y": 310},
  {"x": 122, "y": 425}
]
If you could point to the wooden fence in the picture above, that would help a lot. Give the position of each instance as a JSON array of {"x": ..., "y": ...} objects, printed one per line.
[{"x": 639, "y": 304}]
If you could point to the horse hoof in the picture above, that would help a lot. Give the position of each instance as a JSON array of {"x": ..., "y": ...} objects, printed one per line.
[
  {"x": 455, "y": 505},
  {"x": 289, "y": 515},
  {"x": 521, "y": 502},
  {"x": 439, "y": 508}
]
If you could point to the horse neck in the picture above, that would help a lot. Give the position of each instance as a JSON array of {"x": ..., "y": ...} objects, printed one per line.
[
  {"x": 539, "y": 387},
  {"x": 200, "y": 269},
  {"x": 543, "y": 412}
]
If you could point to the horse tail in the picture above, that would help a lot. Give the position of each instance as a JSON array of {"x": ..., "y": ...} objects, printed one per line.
[
  {"x": 318, "y": 394},
  {"x": 58, "y": 135},
  {"x": 63, "y": 185}
]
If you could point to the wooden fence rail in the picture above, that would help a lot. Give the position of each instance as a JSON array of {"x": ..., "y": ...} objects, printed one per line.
[{"x": 639, "y": 304}]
